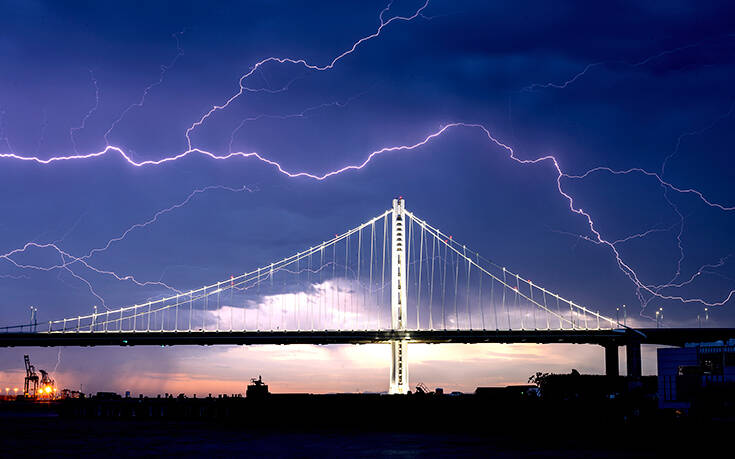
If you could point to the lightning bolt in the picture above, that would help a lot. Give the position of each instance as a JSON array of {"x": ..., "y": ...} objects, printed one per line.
[
  {"x": 665, "y": 186},
  {"x": 72, "y": 260},
  {"x": 560, "y": 175},
  {"x": 13, "y": 276},
  {"x": 162, "y": 212},
  {"x": 301, "y": 62},
  {"x": 702, "y": 130},
  {"x": 302, "y": 114},
  {"x": 4, "y": 132},
  {"x": 640, "y": 63},
  {"x": 698, "y": 273},
  {"x": 67, "y": 259},
  {"x": 89, "y": 113},
  {"x": 643, "y": 234},
  {"x": 149, "y": 88}
]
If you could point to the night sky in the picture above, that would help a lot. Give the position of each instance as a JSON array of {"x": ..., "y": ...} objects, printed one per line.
[{"x": 617, "y": 85}]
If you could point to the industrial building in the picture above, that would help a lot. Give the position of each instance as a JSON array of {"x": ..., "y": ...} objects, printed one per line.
[{"x": 687, "y": 375}]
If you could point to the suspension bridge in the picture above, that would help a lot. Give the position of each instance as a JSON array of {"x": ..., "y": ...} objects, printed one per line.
[{"x": 393, "y": 279}]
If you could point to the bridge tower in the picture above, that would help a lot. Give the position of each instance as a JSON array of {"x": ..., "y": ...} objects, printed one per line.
[{"x": 399, "y": 316}]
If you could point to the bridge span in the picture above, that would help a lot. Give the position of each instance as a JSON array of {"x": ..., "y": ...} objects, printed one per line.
[
  {"x": 393, "y": 279},
  {"x": 602, "y": 337},
  {"x": 609, "y": 339}
]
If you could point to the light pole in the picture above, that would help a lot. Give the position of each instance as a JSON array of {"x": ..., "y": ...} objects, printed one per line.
[{"x": 34, "y": 318}]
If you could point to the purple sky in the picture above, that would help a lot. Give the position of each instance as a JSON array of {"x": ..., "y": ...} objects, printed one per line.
[{"x": 639, "y": 88}]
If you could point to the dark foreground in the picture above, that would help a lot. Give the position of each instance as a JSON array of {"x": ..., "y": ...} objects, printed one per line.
[
  {"x": 355, "y": 426},
  {"x": 56, "y": 438}
]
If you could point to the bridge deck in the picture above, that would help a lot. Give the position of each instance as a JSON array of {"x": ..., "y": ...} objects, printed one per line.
[{"x": 664, "y": 336}]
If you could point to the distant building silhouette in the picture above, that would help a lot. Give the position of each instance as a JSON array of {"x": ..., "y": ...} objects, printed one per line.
[{"x": 696, "y": 377}]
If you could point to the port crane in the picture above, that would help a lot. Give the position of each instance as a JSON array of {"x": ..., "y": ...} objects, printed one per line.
[
  {"x": 35, "y": 386},
  {"x": 31, "y": 381},
  {"x": 48, "y": 385}
]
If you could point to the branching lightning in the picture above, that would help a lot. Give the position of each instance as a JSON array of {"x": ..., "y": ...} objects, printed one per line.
[
  {"x": 560, "y": 176},
  {"x": 302, "y": 114},
  {"x": 149, "y": 88},
  {"x": 644, "y": 290},
  {"x": 589, "y": 67},
  {"x": 90, "y": 112},
  {"x": 67, "y": 259},
  {"x": 302, "y": 62}
]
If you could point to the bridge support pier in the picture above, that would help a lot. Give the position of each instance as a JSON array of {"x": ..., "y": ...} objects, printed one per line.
[
  {"x": 398, "y": 368},
  {"x": 633, "y": 359},
  {"x": 612, "y": 362}
]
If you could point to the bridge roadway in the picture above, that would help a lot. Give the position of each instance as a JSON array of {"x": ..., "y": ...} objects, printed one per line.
[
  {"x": 616, "y": 337},
  {"x": 610, "y": 340}
]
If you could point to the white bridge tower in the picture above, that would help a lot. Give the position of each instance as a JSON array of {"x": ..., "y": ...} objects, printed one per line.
[{"x": 399, "y": 317}]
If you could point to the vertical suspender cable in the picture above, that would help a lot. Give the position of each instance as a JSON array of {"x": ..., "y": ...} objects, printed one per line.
[
  {"x": 335, "y": 285},
  {"x": 421, "y": 259},
  {"x": 176, "y": 320},
  {"x": 219, "y": 307},
  {"x": 558, "y": 310},
  {"x": 505, "y": 305},
  {"x": 456, "y": 285},
  {"x": 298, "y": 293},
  {"x": 347, "y": 262},
  {"x": 494, "y": 303},
  {"x": 407, "y": 270},
  {"x": 469, "y": 266},
  {"x": 571, "y": 313},
  {"x": 431, "y": 281},
  {"x": 370, "y": 283},
  {"x": 444, "y": 286},
  {"x": 359, "y": 262},
  {"x": 479, "y": 295},
  {"x": 517, "y": 302},
  {"x": 322, "y": 292},
  {"x": 309, "y": 304},
  {"x": 204, "y": 302},
  {"x": 382, "y": 279},
  {"x": 533, "y": 305}
]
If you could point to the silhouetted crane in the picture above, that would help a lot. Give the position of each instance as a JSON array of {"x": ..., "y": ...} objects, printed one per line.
[
  {"x": 31, "y": 378},
  {"x": 421, "y": 388},
  {"x": 47, "y": 383}
]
